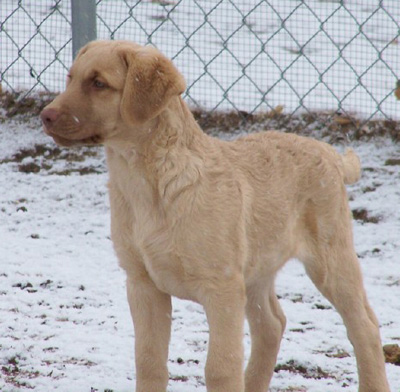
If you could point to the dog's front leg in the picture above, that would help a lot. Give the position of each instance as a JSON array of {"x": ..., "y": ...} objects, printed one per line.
[
  {"x": 151, "y": 314},
  {"x": 225, "y": 310}
]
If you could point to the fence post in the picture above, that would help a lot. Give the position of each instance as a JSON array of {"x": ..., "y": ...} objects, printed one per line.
[{"x": 83, "y": 16}]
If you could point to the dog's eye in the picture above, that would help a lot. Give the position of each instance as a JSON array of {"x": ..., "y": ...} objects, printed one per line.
[{"x": 98, "y": 84}]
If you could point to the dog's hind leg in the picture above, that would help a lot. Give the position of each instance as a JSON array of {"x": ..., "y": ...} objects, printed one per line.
[
  {"x": 334, "y": 268},
  {"x": 267, "y": 323}
]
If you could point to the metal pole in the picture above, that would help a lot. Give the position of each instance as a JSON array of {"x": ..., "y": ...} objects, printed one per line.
[{"x": 83, "y": 13}]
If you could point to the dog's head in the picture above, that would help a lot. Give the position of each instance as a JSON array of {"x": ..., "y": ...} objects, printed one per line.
[{"x": 112, "y": 87}]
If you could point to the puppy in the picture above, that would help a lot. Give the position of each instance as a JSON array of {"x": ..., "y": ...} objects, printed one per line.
[{"x": 212, "y": 221}]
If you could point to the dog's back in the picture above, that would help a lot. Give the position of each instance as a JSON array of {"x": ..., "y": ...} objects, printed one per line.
[
  {"x": 279, "y": 151},
  {"x": 296, "y": 191}
]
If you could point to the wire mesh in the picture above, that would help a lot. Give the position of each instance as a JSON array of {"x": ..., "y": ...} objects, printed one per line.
[{"x": 246, "y": 55}]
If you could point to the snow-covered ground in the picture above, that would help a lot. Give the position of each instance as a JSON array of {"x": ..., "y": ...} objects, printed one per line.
[{"x": 64, "y": 319}]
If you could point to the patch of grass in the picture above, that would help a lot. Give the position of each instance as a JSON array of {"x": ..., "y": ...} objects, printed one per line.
[
  {"x": 82, "y": 171},
  {"x": 296, "y": 368},
  {"x": 338, "y": 354},
  {"x": 11, "y": 372},
  {"x": 52, "y": 153},
  {"x": 372, "y": 188},
  {"x": 23, "y": 286},
  {"x": 29, "y": 168},
  {"x": 179, "y": 378},
  {"x": 332, "y": 125},
  {"x": 322, "y": 307},
  {"x": 42, "y": 157},
  {"x": 17, "y": 104},
  {"x": 81, "y": 362},
  {"x": 361, "y": 214},
  {"x": 392, "y": 162},
  {"x": 336, "y": 126}
]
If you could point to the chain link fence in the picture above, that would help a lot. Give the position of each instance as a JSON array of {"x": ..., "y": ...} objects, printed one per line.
[{"x": 248, "y": 55}]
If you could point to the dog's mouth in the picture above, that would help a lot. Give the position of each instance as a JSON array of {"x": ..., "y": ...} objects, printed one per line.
[
  {"x": 88, "y": 141},
  {"x": 72, "y": 142}
]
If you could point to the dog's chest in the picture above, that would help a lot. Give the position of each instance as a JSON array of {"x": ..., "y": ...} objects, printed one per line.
[
  {"x": 142, "y": 231},
  {"x": 155, "y": 243}
]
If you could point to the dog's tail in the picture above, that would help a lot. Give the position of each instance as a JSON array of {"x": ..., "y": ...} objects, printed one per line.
[{"x": 351, "y": 167}]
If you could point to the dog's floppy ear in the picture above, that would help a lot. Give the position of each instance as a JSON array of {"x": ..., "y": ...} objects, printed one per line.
[{"x": 151, "y": 81}]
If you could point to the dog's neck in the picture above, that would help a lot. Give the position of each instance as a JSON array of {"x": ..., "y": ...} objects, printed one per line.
[
  {"x": 166, "y": 151},
  {"x": 175, "y": 126}
]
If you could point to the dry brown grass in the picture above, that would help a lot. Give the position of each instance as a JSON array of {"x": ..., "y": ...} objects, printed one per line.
[{"x": 332, "y": 125}]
